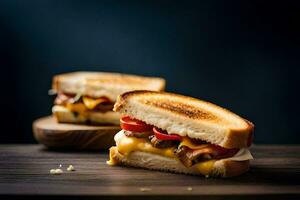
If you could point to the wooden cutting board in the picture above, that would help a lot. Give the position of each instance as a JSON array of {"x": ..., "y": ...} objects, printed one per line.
[{"x": 52, "y": 134}]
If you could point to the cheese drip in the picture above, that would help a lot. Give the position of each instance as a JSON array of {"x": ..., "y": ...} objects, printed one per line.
[
  {"x": 126, "y": 145},
  {"x": 91, "y": 103}
]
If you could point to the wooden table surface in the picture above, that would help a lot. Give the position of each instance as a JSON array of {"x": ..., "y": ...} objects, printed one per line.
[{"x": 24, "y": 171}]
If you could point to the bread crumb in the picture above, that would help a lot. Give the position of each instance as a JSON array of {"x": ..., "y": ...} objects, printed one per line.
[
  {"x": 189, "y": 188},
  {"x": 56, "y": 171},
  {"x": 145, "y": 189},
  {"x": 71, "y": 168}
]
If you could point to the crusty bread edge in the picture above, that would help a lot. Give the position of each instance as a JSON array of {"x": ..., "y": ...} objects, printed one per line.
[
  {"x": 221, "y": 168},
  {"x": 57, "y": 78},
  {"x": 235, "y": 138}
]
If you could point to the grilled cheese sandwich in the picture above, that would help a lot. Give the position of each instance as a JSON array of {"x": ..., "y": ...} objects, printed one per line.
[
  {"x": 160, "y": 147},
  {"x": 88, "y": 97}
]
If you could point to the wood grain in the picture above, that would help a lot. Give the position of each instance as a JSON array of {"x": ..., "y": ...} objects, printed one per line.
[
  {"x": 56, "y": 135},
  {"x": 24, "y": 170}
]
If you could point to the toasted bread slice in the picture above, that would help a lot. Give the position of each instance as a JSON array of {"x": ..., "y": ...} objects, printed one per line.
[
  {"x": 186, "y": 116},
  {"x": 63, "y": 115},
  {"x": 220, "y": 168},
  {"x": 97, "y": 84}
]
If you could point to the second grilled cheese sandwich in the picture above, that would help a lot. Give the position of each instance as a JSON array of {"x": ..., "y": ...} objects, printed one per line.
[{"x": 89, "y": 97}]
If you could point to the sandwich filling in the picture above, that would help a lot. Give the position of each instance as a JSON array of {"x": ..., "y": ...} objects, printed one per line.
[
  {"x": 78, "y": 103},
  {"x": 81, "y": 106},
  {"x": 139, "y": 136}
]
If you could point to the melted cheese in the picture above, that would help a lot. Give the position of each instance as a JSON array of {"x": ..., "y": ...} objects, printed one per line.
[
  {"x": 77, "y": 107},
  {"x": 81, "y": 108},
  {"x": 188, "y": 142},
  {"x": 91, "y": 103},
  {"x": 205, "y": 167},
  {"x": 111, "y": 160},
  {"x": 126, "y": 145}
]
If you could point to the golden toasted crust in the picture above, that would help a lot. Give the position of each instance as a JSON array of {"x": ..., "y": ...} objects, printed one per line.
[
  {"x": 96, "y": 84},
  {"x": 180, "y": 106},
  {"x": 235, "y": 168},
  {"x": 221, "y": 168},
  {"x": 162, "y": 101},
  {"x": 186, "y": 116},
  {"x": 240, "y": 137}
]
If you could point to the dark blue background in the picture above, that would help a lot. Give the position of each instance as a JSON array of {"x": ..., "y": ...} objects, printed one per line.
[{"x": 243, "y": 55}]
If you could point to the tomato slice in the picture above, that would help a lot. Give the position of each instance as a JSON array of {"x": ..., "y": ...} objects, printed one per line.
[
  {"x": 163, "y": 135},
  {"x": 135, "y": 125}
]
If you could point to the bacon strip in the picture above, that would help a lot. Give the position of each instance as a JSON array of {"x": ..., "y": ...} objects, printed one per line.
[{"x": 188, "y": 156}]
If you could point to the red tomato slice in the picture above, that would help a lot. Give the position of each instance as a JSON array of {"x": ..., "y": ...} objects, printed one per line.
[
  {"x": 135, "y": 125},
  {"x": 163, "y": 135}
]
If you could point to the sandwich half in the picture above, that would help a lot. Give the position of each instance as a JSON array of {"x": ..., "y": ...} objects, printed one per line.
[
  {"x": 170, "y": 132},
  {"x": 89, "y": 97}
]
